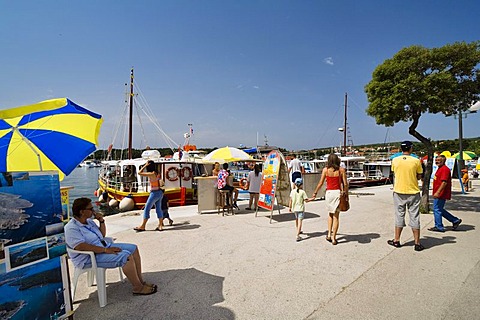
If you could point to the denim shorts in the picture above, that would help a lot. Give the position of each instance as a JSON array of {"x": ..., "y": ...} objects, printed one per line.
[
  {"x": 299, "y": 215},
  {"x": 109, "y": 260}
]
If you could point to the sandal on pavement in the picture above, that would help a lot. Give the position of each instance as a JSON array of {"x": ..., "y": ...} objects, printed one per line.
[
  {"x": 138, "y": 229},
  {"x": 334, "y": 242},
  {"x": 328, "y": 239},
  {"x": 435, "y": 229},
  {"x": 158, "y": 229},
  {"x": 419, "y": 247},
  {"x": 151, "y": 285},
  {"x": 146, "y": 290},
  {"x": 394, "y": 243}
]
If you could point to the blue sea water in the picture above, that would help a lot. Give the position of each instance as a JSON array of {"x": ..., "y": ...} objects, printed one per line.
[{"x": 84, "y": 182}]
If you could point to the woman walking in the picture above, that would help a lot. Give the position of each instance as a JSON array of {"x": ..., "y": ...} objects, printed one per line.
[
  {"x": 337, "y": 185},
  {"x": 254, "y": 181},
  {"x": 155, "y": 197}
]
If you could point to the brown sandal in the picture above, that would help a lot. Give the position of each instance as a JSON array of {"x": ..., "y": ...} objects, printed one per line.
[
  {"x": 150, "y": 284},
  {"x": 146, "y": 290}
]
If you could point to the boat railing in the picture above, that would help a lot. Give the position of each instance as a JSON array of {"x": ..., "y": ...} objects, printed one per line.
[
  {"x": 355, "y": 174},
  {"x": 124, "y": 184},
  {"x": 375, "y": 174}
]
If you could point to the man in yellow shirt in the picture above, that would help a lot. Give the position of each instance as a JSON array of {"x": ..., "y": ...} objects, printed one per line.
[{"x": 406, "y": 194}]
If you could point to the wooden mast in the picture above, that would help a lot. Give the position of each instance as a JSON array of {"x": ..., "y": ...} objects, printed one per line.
[
  {"x": 345, "y": 128},
  {"x": 130, "y": 119}
]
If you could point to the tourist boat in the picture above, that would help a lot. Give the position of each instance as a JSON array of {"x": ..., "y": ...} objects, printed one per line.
[
  {"x": 119, "y": 179},
  {"x": 359, "y": 172},
  {"x": 379, "y": 170}
]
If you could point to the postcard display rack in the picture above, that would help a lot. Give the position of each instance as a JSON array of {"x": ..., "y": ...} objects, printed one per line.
[
  {"x": 34, "y": 281},
  {"x": 275, "y": 187}
]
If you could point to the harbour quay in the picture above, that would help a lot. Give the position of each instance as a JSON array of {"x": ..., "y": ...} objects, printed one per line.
[{"x": 240, "y": 266}]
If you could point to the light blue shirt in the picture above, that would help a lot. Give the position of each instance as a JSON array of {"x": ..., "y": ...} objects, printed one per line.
[{"x": 77, "y": 233}]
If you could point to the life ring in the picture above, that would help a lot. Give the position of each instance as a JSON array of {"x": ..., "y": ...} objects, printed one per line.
[
  {"x": 172, "y": 174},
  {"x": 187, "y": 173},
  {"x": 243, "y": 183}
]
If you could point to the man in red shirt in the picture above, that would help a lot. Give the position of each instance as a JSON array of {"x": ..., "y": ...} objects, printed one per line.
[{"x": 442, "y": 191}]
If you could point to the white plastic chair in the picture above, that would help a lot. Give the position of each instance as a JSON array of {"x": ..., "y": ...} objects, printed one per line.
[{"x": 93, "y": 272}]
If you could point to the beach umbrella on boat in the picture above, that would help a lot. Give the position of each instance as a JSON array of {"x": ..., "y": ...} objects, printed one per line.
[
  {"x": 467, "y": 155},
  {"x": 227, "y": 154},
  {"x": 54, "y": 134}
]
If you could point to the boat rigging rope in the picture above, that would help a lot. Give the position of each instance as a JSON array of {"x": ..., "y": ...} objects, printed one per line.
[
  {"x": 150, "y": 115},
  {"x": 140, "y": 103},
  {"x": 328, "y": 129}
]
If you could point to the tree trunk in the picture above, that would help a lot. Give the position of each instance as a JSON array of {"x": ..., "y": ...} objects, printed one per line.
[{"x": 427, "y": 171}]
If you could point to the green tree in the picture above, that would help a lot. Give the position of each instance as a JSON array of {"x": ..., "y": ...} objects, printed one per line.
[{"x": 419, "y": 80}]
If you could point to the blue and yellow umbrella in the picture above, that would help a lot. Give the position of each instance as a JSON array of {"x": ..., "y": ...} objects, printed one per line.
[{"x": 54, "y": 134}]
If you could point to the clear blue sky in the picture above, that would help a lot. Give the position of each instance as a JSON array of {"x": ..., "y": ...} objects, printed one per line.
[{"x": 231, "y": 68}]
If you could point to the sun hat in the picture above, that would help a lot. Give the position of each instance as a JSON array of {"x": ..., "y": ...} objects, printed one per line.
[
  {"x": 406, "y": 145},
  {"x": 299, "y": 181}
]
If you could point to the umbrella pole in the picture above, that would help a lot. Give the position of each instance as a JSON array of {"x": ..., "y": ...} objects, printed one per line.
[{"x": 29, "y": 144}]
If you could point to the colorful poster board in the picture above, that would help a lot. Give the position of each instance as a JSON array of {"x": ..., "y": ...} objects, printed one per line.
[
  {"x": 33, "y": 272},
  {"x": 275, "y": 181},
  {"x": 271, "y": 169}
]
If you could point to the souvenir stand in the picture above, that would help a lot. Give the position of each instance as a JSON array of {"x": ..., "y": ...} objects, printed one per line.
[{"x": 34, "y": 280}]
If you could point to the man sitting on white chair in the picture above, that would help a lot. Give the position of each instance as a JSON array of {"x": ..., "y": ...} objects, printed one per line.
[{"x": 83, "y": 234}]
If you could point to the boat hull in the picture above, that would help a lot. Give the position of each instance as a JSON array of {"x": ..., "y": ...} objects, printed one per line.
[
  {"x": 368, "y": 182},
  {"x": 174, "y": 195}
]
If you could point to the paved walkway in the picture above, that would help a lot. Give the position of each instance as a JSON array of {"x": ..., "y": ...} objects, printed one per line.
[{"x": 242, "y": 267}]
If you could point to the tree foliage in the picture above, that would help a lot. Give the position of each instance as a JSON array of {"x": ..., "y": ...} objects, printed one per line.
[{"x": 419, "y": 80}]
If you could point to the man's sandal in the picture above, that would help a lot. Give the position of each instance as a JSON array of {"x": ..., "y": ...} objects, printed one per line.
[{"x": 394, "y": 243}]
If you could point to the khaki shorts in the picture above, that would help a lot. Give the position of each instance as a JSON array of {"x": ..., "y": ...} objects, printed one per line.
[{"x": 403, "y": 201}]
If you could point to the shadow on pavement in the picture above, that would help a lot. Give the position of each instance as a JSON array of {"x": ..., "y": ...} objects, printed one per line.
[
  {"x": 360, "y": 238},
  {"x": 461, "y": 228},
  {"x": 460, "y": 202},
  {"x": 315, "y": 235},
  {"x": 429, "y": 242},
  {"x": 182, "y": 294},
  {"x": 289, "y": 216},
  {"x": 181, "y": 226}
]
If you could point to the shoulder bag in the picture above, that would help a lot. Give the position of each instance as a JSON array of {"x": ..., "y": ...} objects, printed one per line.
[{"x": 344, "y": 203}]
